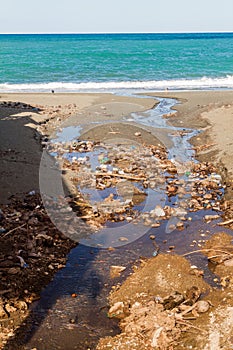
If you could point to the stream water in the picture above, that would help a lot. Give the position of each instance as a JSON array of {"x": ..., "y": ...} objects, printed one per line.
[{"x": 60, "y": 321}]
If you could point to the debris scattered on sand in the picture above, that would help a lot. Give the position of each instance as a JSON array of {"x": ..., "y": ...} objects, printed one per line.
[
  {"x": 30, "y": 245},
  {"x": 125, "y": 176}
]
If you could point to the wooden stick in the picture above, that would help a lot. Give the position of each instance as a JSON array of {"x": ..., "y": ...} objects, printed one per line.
[
  {"x": 219, "y": 256},
  {"x": 186, "y": 323},
  {"x": 14, "y": 229},
  {"x": 206, "y": 250},
  {"x": 124, "y": 176},
  {"x": 82, "y": 204},
  {"x": 225, "y": 222},
  {"x": 5, "y": 291}
]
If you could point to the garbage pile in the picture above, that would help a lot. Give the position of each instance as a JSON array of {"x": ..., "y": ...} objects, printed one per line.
[
  {"x": 150, "y": 318},
  {"x": 116, "y": 183},
  {"x": 30, "y": 246}
]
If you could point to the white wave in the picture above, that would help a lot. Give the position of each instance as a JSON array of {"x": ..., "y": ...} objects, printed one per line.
[{"x": 180, "y": 84}]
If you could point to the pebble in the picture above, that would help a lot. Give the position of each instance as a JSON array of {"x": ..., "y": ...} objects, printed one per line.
[
  {"x": 202, "y": 306},
  {"x": 228, "y": 262},
  {"x": 211, "y": 217},
  {"x": 116, "y": 309},
  {"x": 180, "y": 225},
  {"x": 123, "y": 239},
  {"x": 115, "y": 271}
]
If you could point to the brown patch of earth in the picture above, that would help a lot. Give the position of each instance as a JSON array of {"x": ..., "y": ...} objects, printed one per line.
[{"x": 165, "y": 304}]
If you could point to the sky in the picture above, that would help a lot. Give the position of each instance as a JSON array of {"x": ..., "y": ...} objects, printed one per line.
[{"x": 110, "y": 16}]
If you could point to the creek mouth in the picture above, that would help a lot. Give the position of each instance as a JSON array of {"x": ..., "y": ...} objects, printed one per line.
[{"x": 72, "y": 311}]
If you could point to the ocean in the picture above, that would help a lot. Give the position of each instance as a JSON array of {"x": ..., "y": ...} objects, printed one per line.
[{"x": 105, "y": 62}]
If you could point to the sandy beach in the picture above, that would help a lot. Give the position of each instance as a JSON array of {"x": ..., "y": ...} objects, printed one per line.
[
  {"x": 20, "y": 145},
  {"x": 27, "y": 121},
  {"x": 20, "y": 142}
]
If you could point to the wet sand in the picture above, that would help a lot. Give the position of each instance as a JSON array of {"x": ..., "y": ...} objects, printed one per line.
[
  {"x": 212, "y": 112},
  {"x": 21, "y": 129}
]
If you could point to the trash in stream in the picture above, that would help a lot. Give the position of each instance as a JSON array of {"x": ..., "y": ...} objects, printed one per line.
[{"x": 120, "y": 183}]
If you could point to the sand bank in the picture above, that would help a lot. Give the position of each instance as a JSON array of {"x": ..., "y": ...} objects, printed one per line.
[
  {"x": 211, "y": 112},
  {"x": 20, "y": 147}
]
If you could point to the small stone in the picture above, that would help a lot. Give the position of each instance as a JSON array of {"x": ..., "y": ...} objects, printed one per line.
[
  {"x": 2, "y": 312},
  {"x": 228, "y": 262},
  {"x": 202, "y": 306},
  {"x": 208, "y": 196},
  {"x": 156, "y": 224},
  {"x": 9, "y": 308},
  {"x": 173, "y": 300},
  {"x": 180, "y": 225},
  {"x": 123, "y": 239},
  {"x": 21, "y": 305},
  {"x": 152, "y": 237},
  {"x": 211, "y": 217},
  {"x": 116, "y": 309},
  {"x": 115, "y": 271}
]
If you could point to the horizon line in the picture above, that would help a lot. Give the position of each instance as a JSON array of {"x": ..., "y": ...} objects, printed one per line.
[{"x": 178, "y": 32}]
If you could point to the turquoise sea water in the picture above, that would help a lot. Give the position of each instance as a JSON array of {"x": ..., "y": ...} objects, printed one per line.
[{"x": 81, "y": 62}]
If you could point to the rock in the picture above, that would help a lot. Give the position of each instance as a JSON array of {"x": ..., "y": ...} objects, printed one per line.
[
  {"x": 116, "y": 309},
  {"x": 115, "y": 271},
  {"x": 21, "y": 305},
  {"x": 156, "y": 336},
  {"x": 211, "y": 217},
  {"x": 171, "y": 189},
  {"x": 158, "y": 211},
  {"x": 180, "y": 225},
  {"x": 228, "y": 262},
  {"x": 10, "y": 308},
  {"x": 2, "y": 312},
  {"x": 173, "y": 300},
  {"x": 202, "y": 306},
  {"x": 123, "y": 239}
]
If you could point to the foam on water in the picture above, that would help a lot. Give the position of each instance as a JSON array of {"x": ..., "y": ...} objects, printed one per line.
[{"x": 160, "y": 85}]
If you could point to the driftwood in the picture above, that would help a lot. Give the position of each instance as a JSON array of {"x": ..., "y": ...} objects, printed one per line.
[
  {"x": 82, "y": 204},
  {"x": 225, "y": 222},
  {"x": 123, "y": 176},
  {"x": 14, "y": 229},
  {"x": 208, "y": 250}
]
